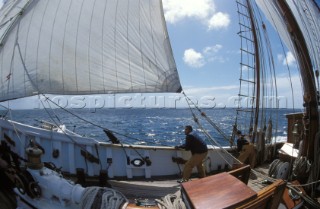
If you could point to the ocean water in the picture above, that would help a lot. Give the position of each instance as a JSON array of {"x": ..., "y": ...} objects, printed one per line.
[{"x": 143, "y": 126}]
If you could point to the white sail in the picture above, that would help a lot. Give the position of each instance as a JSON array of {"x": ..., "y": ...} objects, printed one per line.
[
  {"x": 306, "y": 14},
  {"x": 84, "y": 47}
]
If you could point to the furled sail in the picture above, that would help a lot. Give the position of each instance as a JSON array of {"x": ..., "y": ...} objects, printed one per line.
[{"x": 84, "y": 47}]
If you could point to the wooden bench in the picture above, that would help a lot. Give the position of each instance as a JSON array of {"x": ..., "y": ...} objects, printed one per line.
[{"x": 242, "y": 173}]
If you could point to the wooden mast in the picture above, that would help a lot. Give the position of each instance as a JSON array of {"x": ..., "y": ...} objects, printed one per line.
[
  {"x": 311, "y": 117},
  {"x": 257, "y": 71}
]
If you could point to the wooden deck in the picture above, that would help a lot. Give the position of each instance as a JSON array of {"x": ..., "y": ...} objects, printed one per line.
[
  {"x": 145, "y": 189},
  {"x": 257, "y": 180},
  {"x": 149, "y": 190},
  {"x": 155, "y": 189}
]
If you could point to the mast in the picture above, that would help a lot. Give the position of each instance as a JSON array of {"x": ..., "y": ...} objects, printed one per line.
[
  {"x": 249, "y": 91},
  {"x": 311, "y": 117},
  {"x": 257, "y": 71}
]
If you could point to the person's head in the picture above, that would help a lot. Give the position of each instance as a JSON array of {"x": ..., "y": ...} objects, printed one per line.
[
  {"x": 239, "y": 133},
  {"x": 187, "y": 129}
]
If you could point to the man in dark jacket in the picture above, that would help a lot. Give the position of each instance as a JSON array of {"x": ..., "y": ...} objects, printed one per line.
[
  {"x": 241, "y": 141},
  {"x": 199, "y": 151},
  {"x": 246, "y": 150}
]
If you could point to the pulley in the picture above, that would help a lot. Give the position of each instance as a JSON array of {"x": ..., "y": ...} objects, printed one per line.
[{"x": 279, "y": 169}]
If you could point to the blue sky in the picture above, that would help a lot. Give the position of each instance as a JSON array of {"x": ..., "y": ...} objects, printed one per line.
[{"x": 206, "y": 46}]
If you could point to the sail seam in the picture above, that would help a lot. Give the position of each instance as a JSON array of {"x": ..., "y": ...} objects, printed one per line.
[
  {"x": 77, "y": 46},
  {"x": 89, "y": 47},
  {"x": 38, "y": 44},
  {"x": 128, "y": 46},
  {"x": 26, "y": 76},
  {"x": 141, "y": 54},
  {"x": 152, "y": 37},
  {"x": 102, "y": 46},
  {"x": 50, "y": 45},
  {"x": 115, "y": 45}
]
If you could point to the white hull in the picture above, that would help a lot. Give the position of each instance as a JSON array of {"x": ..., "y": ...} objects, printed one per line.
[{"x": 64, "y": 150}]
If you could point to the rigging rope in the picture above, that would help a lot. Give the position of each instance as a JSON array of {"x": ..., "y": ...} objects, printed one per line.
[
  {"x": 48, "y": 99},
  {"x": 315, "y": 169},
  {"x": 147, "y": 161},
  {"x": 247, "y": 64},
  {"x": 308, "y": 199},
  {"x": 273, "y": 78},
  {"x": 208, "y": 119},
  {"x": 94, "y": 124},
  {"x": 83, "y": 147},
  {"x": 213, "y": 141},
  {"x": 283, "y": 51}
]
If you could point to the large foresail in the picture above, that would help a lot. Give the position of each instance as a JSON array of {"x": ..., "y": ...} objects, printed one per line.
[{"x": 84, "y": 47}]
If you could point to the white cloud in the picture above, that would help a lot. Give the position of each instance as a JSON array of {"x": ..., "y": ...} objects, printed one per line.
[
  {"x": 198, "y": 59},
  {"x": 210, "y": 54},
  {"x": 176, "y": 10},
  {"x": 212, "y": 49},
  {"x": 193, "y": 58},
  {"x": 203, "y": 10},
  {"x": 289, "y": 59},
  {"x": 1, "y": 4},
  {"x": 218, "y": 21},
  {"x": 280, "y": 57}
]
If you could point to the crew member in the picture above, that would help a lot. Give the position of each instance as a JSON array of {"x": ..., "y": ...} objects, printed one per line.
[
  {"x": 246, "y": 150},
  {"x": 199, "y": 151}
]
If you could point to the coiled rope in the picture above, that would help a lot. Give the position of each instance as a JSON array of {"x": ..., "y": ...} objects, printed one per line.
[
  {"x": 301, "y": 167},
  {"x": 103, "y": 198},
  {"x": 171, "y": 201}
]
